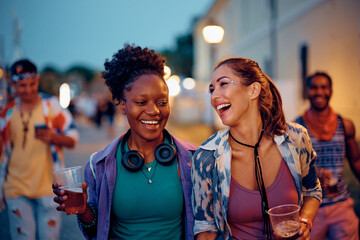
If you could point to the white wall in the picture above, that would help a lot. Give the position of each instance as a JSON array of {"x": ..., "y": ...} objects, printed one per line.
[{"x": 330, "y": 28}]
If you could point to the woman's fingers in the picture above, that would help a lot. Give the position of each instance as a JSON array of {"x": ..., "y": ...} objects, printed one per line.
[
  {"x": 304, "y": 232},
  {"x": 61, "y": 207},
  {"x": 60, "y": 197},
  {"x": 58, "y": 191},
  {"x": 55, "y": 185},
  {"x": 84, "y": 186}
]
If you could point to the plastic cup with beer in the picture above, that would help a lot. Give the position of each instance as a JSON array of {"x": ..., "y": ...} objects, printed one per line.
[
  {"x": 331, "y": 186},
  {"x": 285, "y": 221},
  {"x": 70, "y": 179}
]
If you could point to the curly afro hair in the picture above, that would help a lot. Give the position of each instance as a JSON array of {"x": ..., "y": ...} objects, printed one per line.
[{"x": 127, "y": 65}]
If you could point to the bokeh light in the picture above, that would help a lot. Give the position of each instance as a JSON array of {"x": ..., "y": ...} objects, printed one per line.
[
  {"x": 167, "y": 71},
  {"x": 188, "y": 83},
  {"x": 64, "y": 95},
  {"x": 173, "y": 85}
]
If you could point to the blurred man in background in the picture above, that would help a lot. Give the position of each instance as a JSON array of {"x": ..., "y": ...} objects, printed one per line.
[
  {"x": 33, "y": 130},
  {"x": 333, "y": 138}
]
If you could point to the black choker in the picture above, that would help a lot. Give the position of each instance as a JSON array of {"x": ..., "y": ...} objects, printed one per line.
[{"x": 260, "y": 183}]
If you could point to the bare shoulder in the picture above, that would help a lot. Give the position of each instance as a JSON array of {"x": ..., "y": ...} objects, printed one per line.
[{"x": 349, "y": 128}]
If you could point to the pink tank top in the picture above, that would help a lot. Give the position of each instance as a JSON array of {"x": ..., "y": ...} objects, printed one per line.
[{"x": 244, "y": 212}]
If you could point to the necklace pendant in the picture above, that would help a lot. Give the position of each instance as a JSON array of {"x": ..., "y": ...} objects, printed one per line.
[
  {"x": 148, "y": 169},
  {"x": 150, "y": 182}
]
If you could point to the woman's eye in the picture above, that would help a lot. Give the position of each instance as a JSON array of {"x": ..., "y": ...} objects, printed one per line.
[
  {"x": 211, "y": 90},
  {"x": 223, "y": 83},
  {"x": 163, "y": 103},
  {"x": 140, "y": 102}
]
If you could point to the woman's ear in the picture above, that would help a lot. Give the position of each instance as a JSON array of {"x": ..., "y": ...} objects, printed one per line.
[
  {"x": 255, "y": 89},
  {"x": 122, "y": 107}
]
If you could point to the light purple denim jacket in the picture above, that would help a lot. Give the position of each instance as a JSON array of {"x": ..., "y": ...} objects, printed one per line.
[{"x": 100, "y": 176}]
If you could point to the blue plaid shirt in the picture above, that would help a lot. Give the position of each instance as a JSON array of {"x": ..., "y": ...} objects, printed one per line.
[{"x": 211, "y": 175}]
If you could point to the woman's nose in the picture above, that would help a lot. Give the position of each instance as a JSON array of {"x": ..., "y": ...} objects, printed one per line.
[
  {"x": 153, "y": 109},
  {"x": 214, "y": 97},
  {"x": 214, "y": 94}
]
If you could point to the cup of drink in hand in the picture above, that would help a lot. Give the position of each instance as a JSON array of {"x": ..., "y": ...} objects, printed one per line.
[
  {"x": 70, "y": 179},
  {"x": 331, "y": 186},
  {"x": 285, "y": 221}
]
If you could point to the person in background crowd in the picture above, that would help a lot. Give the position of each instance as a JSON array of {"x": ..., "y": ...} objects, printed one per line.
[
  {"x": 140, "y": 184},
  {"x": 333, "y": 138},
  {"x": 33, "y": 130},
  {"x": 110, "y": 114},
  {"x": 257, "y": 162}
]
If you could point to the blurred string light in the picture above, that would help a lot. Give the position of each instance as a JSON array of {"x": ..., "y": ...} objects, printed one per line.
[
  {"x": 64, "y": 95},
  {"x": 173, "y": 85},
  {"x": 188, "y": 83},
  {"x": 167, "y": 71}
]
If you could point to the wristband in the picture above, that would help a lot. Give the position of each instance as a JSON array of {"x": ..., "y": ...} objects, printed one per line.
[{"x": 306, "y": 221}]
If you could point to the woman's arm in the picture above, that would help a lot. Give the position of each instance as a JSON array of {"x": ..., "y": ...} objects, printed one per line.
[
  {"x": 308, "y": 211},
  {"x": 88, "y": 221},
  {"x": 312, "y": 194},
  {"x": 202, "y": 195},
  {"x": 311, "y": 186}
]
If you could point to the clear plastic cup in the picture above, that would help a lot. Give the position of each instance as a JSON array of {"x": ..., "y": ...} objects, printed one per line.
[
  {"x": 285, "y": 221},
  {"x": 70, "y": 179},
  {"x": 331, "y": 187}
]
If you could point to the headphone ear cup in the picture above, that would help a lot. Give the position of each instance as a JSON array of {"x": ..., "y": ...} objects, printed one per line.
[
  {"x": 165, "y": 153},
  {"x": 132, "y": 160}
]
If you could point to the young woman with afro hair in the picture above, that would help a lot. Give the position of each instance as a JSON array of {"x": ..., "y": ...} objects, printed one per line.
[{"x": 139, "y": 186}]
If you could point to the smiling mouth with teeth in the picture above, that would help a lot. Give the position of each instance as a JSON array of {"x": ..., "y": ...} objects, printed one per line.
[
  {"x": 223, "y": 106},
  {"x": 150, "y": 122}
]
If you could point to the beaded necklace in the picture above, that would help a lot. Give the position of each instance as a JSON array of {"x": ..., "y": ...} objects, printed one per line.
[{"x": 25, "y": 126}]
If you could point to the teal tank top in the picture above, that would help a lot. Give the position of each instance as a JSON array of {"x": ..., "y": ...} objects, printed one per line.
[{"x": 141, "y": 210}]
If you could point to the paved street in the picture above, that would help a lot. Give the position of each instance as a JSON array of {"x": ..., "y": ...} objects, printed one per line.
[{"x": 93, "y": 139}]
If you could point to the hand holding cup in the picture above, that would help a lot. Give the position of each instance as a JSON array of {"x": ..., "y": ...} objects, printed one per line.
[
  {"x": 71, "y": 191},
  {"x": 324, "y": 176},
  {"x": 285, "y": 221},
  {"x": 328, "y": 181}
]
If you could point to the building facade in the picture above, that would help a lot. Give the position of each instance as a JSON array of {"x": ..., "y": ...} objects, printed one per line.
[{"x": 289, "y": 39}]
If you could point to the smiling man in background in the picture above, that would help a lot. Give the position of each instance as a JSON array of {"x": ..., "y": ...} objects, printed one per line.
[{"x": 333, "y": 138}]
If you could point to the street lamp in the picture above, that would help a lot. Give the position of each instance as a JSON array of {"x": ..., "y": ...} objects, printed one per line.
[{"x": 213, "y": 34}]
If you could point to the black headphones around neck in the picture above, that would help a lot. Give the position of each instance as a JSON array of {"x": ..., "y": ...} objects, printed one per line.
[{"x": 133, "y": 160}]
